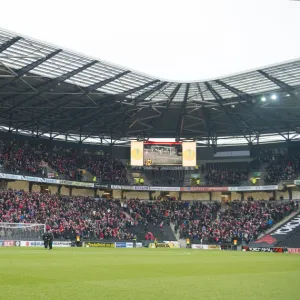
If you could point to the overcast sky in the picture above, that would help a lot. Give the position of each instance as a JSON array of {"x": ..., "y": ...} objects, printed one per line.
[{"x": 175, "y": 40}]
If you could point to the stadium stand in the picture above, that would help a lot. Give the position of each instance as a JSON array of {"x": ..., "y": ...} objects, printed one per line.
[
  {"x": 283, "y": 166},
  {"x": 24, "y": 158},
  {"x": 226, "y": 173},
  {"x": 116, "y": 220},
  {"x": 241, "y": 220}
]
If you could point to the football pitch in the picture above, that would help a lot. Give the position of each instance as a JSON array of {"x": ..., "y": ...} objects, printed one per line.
[{"x": 89, "y": 273}]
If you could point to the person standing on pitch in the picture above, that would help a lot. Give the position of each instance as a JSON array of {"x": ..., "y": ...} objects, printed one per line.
[{"x": 48, "y": 239}]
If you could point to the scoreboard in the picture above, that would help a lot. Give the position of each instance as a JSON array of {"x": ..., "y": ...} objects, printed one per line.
[{"x": 163, "y": 154}]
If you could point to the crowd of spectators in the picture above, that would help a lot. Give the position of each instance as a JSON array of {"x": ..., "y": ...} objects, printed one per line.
[
  {"x": 284, "y": 166},
  {"x": 243, "y": 221},
  {"x": 23, "y": 158},
  {"x": 113, "y": 219},
  {"x": 226, "y": 173},
  {"x": 17, "y": 159},
  {"x": 67, "y": 216}
]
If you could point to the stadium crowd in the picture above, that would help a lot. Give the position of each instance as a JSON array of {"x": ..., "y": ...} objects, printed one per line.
[
  {"x": 66, "y": 216},
  {"x": 241, "y": 220},
  {"x": 23, "y": 158},
  {"x": 113, "y": 219},
  {"x": 283, "y": 166},
  {"x": 226, "y": 173}
]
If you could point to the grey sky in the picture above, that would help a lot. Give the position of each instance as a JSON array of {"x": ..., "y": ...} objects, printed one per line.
[{"x": 174, "y": 40}]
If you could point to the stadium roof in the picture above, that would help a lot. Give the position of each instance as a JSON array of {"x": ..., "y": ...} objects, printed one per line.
[{"x": 50, "y": 92}]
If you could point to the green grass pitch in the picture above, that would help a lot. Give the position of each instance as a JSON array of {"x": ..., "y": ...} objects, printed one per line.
[{"x": 89, "y": 273}]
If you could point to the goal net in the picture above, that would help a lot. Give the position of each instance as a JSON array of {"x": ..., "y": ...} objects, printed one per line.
[{"x": 21, "y": 231}]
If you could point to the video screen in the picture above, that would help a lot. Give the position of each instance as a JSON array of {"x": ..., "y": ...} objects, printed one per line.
[{"x": 162, "y": 154}]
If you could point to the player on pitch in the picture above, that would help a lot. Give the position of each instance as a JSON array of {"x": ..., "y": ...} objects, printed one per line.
[{"x": 48, "y": 239}]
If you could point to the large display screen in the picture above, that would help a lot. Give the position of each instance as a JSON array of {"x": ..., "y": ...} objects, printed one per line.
[
  {"x": 160, "y": 154},
  {"x": 163, "y": 154}
]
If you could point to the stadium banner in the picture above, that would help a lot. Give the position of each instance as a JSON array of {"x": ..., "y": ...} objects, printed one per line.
[
  {"x": 214, "y": 247},
  {"x": 162, "y": 245},
  {"x": 46, "y": 180},
  {"x": 151, "y": 245},
  {"x": 59, "y": 244},
  {"x": 62, "y": 244},
  {"x": 204, "y": 189},
  {"x": 137, "y": 153},
  {"x": 189, "y": 154},
  {"x": 205, "y": 247},
  {"x": 101, "y": 186},
  {"x": 173, "y": 244},
  {"x": 7, "y": 243},
  {"x": 165, "y": 168},
  {"x": 197, "y": 246},
  {"x": 253, "y": 188},
  {"x": 77, "y": 183},
  {"x": 137, "y": 245},
  {"x": 141, "y": 188},
  {"x": 263, "y": 249},
  {"x": 31, "y": 243},
  {"x": 297, "y": 182},
  {"x": 122, "y": 187},
  {"x": 28, "y": 178},
  {"x": 279, "y": 234},
  {"x": 164, "y": 188},
  {"x": 100, "y": 245},
  {"x": 120, "y": 245},
  {"x": 138, "y": 188},
  {"x": 116, "y": 187},
  {"x": 294, "y": 250}
]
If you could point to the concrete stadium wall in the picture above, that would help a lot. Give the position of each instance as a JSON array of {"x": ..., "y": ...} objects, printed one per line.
[
  {"x": 216, "y": 196},
  {"x": 36, "y": 188},
  {"x": 258, "y": 195},
  {"x": 117, "y": 194},
  {"x": 83, "y": 192},
  {"x": 174, "y": 194},
  {"x": 65, "y": 191},
  {"x": 18, "y": 185},
  {"x": 135, "y": 194},
  {"x": 285, "y": 195},
  {"x": 235, "y": 196},
  {"x": 195, "y": 196},
  {"x": 296, "y": 195},
  {"x": 155, "y": 194}
]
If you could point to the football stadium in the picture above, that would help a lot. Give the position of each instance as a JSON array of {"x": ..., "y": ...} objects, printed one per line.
[{"x": 116, "y": 185}]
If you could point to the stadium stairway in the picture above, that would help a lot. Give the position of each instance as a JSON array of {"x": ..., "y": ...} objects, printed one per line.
[
  {"x": 177, "y": 235},
  {"x": 164, "y": 234},
  {"x": 132, "y": 174},
  {"x": 49, "y": 169},
  {"x": 139, "y": 231},
  {"x": 187, "y": 179},
  {"x": 263, "y": 172},
  {"x": 87, "y": 176}
]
